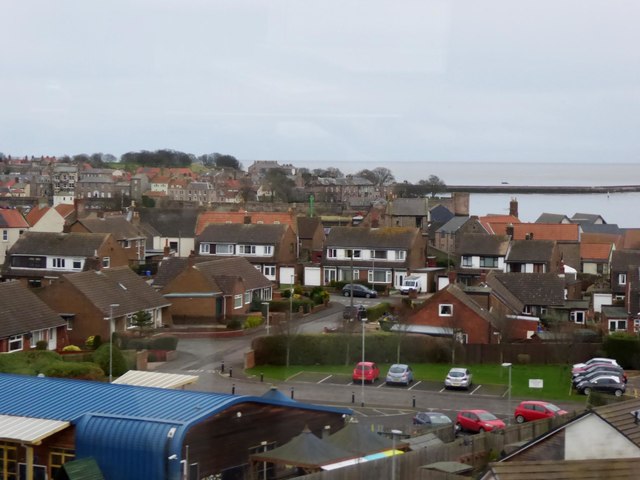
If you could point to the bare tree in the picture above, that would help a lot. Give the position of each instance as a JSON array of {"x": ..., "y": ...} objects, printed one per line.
[
  {"x": 379, "y": 176},
  {"x": 434, "y": 184}
]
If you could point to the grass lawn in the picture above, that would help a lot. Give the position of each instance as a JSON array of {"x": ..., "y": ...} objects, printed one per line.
[{"x": 556, "y": 378}]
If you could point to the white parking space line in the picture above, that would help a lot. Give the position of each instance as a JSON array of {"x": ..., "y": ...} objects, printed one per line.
[
  {"x": 442, "y": 390},
  {"x": 382, "y": 384},
  {"x": 325, "y": 378},
  {"x": 415, "y": 384},
  {"x": 293, "y": 376},
  {"x": 475, "y": 390}
]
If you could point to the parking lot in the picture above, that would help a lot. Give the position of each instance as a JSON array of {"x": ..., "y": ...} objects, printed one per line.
[{"x": 417, "y": 386}]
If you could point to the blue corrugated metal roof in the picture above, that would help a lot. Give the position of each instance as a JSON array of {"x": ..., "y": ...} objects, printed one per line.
[{"x": 131, "y": 431}]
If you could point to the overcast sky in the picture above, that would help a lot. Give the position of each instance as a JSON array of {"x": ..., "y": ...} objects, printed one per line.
[{"x": 339, "y": 81}]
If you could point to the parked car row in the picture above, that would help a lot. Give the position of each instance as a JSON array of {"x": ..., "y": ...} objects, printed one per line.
[
  {"x": 599, "y": 374},
  {"x": 402, "y": 374}
]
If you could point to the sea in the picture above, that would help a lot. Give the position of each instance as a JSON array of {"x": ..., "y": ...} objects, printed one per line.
[{"x": 622, "y": 209}]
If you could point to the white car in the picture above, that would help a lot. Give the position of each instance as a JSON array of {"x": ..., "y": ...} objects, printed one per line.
[
  {"x": 458, "y": 378},
  {"x": 577, "y": 366}
]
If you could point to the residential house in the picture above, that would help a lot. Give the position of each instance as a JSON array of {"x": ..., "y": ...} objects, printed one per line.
[
  {"x": 64, "y": 178},
  {"x": 208, "y": 217},
  {"x": 381, "y": 256},
  {"x": 26, "y": 320},
  {"x": 105, "y": 301},
  {"x": 39, "y": 257},
  {"x": 173, "y": 228},
  {"x": 610, "y": 432},
  {"x": 260, "y": 168},
  {"x": 537, "y": 292},
  {"x": 451, "y": 312},
  {"x": 553, "y": 218},
  {"x": 407, "y": 212},
  {"x": 160, "y": 184},
  {"x": 533, "y": 256},
  {"x": 448, "y": 235},
  {"x": 195, "y": 193},
  {"x": 559, "y": 232},
  {"x": 213, "y": 291},
  {"x": 595, "y": 258},
  {"x": 12, "y": 226},
  {"x": 311, "y": 238},
  {"x": 621, "y": 262},
  {"x": 130, "y": 237},
  {"x": 45, "y": 219},
  {"x": 631, "y": 239},
  {"x": 587, "y": 218},
  {"x": 270, "y": 248},
  {"x": 480, "y": 253},
  {"x": 438, "y": 216},
  {"x": 495, "y": 224}
]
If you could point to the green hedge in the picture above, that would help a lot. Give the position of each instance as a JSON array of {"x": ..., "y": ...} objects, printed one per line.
[
  {"x": 27, "y": 362},
  {"x": 78, "y": 370},
  {"x": 297, "y": 303},
  {"x": 375, "y": 312},
  {"x": 336, "y": 349},
  {"x": 625, "y": 348},
  {"x": 104, "y": 357},
  {"x": 144, "y": 343}
]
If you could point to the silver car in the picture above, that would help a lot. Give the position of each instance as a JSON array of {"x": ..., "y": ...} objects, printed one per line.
[
  {"x": 400, "y": 373},
  {"x": 458, "y": 378}
]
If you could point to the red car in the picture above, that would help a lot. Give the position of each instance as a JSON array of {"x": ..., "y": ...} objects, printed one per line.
[
  {"x": 478, "y": 421},
  {"x": 531, "y": 410},
  {"x": 368, "y": 371}
]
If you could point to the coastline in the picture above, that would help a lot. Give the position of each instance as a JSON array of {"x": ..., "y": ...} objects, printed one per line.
[{"x": 548, "y": 189}]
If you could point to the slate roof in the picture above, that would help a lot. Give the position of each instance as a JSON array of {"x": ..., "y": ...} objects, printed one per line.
[
  {"x": 261, "y": 234},
  {"x": 440, "y": 214},
  {"x": 116, "y": 285},
  {"x": 500, "y": 291},
  {"x": 620, "y": 416},
  {"x": 413, "y": 207},
  {"x": 570, "y": 254},
  {"x": 560, "y": 232},
  {"x": 612, "y": 311},
  {"x": 621, "y": 260},
  {"x": 21, "y": 311},
  {"x": 118, "y": 226},
  {"x": 387, "y": 237},
  {"x": 171, "y": 222},
  {"x": 528, "y": 251},
  {"x": 531, "y": 288},
  {"x": 453, "y": 225},
  {"x": 483, "y": 245},
  {"x": 63, "y": 244},
  {"x": 232, "y": 268},
  {"x": 552, "y": 218},
  {"x": 608, "y": 228},
  {"x": 12, "y": 219},
  {"x": 606, "y": 468},
  {"x": 586, "y": 218},
  {"x": 457, "y": 292}
]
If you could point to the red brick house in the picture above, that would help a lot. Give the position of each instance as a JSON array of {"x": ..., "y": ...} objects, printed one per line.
[
  {"x": 213, "y": 291},
  {"x": 451, "y": 311}
]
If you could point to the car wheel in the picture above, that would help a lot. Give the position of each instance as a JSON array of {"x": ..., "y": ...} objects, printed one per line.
[
  {"x": 618, "y": 393},
  {"x": 520, "y": 419},
  {"x": 481, "y": 430},
  {"x": 586, "y": 391},
  {"x": 345, "y": 293},
  {"x": 368, "y": 295},
  {"x": 458, "y": 427}
]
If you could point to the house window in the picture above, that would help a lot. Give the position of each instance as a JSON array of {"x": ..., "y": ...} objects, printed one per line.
[
  {"x": 246, "y": 249},
  {"x": 577, "y": 317},
  {"x": 205, "y": 248},
  {"x": 332, "y": 253},
  {"x": 58, "y": 457},
  {"x": 247, "y": 297},
  {"x": 445, "y": 309},
  {"x": 58, "y": 263},
  {"x": 622, "y": 279},
  {"x": 37, "y": 336},
  {"x": 268, "y": 250},
  {"x": 5, "y": 235},
  {"x": 270, "y": 272},
  {"x": 488, "y": 262},
  {"x": 538, "y": 268},
  {"x": 15, "y": 343},
  {"x": 467, "y": 261},
  {"x": 617, "y": 325},
  {"x": 379, "y": 254},
  {"x": 8, "y": 460},
  {"x": 106, "y": 262},
  {"x": 237, "y": 301},
  {"x": 125, "y": 244},
  {"x": 354, "y": 253},
  {"x": 379, "y": 276},
  {"x": 401, "y": 254},
  {"x": 224, "y": 249},
  {"x": 77, "y": 264},
  {"x": 266, "y": 294}
]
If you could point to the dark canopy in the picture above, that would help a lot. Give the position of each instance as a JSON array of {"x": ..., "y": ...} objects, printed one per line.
[{"x": 359, "y": 440}]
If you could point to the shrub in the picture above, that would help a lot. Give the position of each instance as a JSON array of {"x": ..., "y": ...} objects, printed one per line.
[
  {"x": 101, "y": 358},
  {"x": 42, "y": 345},
  {"x": 79, "y": 370},
  {"x": 71, "y": 348},
  {"x": 377, "y": 311},
  {"x": 234, "y": 324},
  {"x": 252, "y": 322}
]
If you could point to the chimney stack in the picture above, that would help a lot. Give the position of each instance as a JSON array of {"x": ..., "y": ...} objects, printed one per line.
[{"x": 513, "y": 207}]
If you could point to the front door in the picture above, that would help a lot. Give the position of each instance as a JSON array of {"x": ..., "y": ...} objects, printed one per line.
[{"x": 399, "y": 279}]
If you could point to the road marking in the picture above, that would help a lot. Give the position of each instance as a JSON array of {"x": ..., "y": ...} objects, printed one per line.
[
  {"x": 202, "y": 371},
  {"x": 382, "y": 384},
  {"x": 293, "y": 376},
  {"x": 415, "y": 384},
  {"x": 475, "y": 390},
  {"x": 442, "y": 390},
  {"x": 325, "y": 378}
]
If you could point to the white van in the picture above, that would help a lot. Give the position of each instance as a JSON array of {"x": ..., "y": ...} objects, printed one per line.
[{"x": 412, "y": 282}]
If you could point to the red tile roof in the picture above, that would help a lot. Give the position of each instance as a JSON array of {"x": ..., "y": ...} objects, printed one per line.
[
  {"x": 497, "y": 224},
  {"x": 12, "y": 219},
  {"x": 631, "y": 239},
  {"x": 595, "y": 251},
  {"x": 35, "y": 214},
  {"x": 268, "y": 218},
  {"x": 560, "y": 232},
  {"x": 65, "y": 209}
]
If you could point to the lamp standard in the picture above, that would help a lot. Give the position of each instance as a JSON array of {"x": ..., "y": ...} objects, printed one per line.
[
  {"x": 268, "y": 325},
  {"x": 394, "y": 433},
  {"x": 111, "y": 307},
  {"x": 509, "y": 366},
  {"x": 363, "y": 321},
  {"x": 289, "y": 321}
]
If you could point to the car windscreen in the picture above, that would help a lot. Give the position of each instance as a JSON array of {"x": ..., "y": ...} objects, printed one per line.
[
  {"x": 396, "y": 370},
  {"x": 439, "y": 419},
  {"x": 487, "y": 416}
]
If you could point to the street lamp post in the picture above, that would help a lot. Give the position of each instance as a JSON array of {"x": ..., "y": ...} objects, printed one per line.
[
  {"x": 268, "y": 325},
  {"x": 111, "y": 307},
  {"x": 509, "y": 366},
  {"x": 289, "y": 322},
  {"x": 394, "y": 433},
  {"x": 363, "y": 321}
]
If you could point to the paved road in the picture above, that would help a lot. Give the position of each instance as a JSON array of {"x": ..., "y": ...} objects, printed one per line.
[{"x": 378, "y": 404}]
